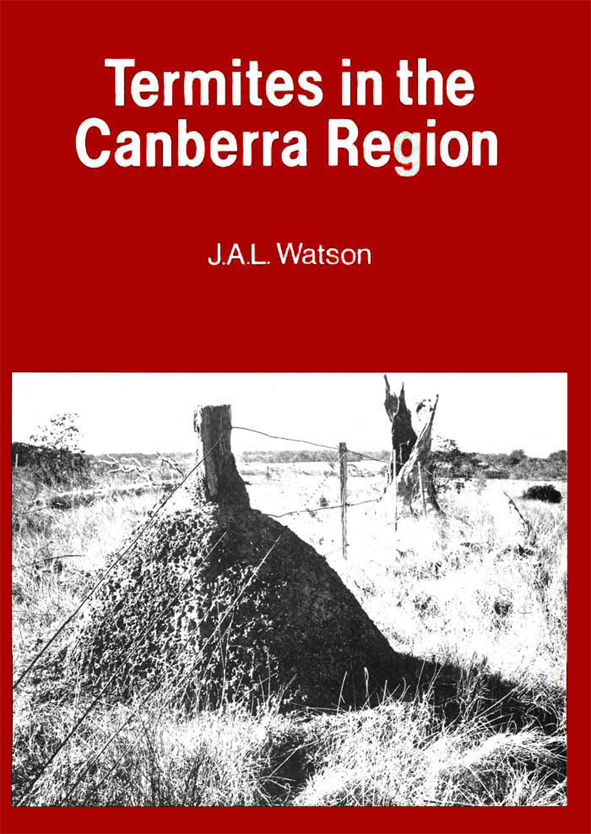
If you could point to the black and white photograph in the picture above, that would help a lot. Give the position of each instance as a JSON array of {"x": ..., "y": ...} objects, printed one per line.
[{"x": 289, "y": 589}]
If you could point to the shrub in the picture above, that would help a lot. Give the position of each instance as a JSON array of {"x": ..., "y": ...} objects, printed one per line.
[
  {"x": 543, "y": 492},
  {"x": 51, "y": 466}
]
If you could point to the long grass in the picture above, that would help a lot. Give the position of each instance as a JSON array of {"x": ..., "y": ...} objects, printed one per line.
[{"x": 453, "y": 588}]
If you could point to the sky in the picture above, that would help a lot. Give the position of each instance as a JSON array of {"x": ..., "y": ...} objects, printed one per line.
[{"x": 131, "y": 412}]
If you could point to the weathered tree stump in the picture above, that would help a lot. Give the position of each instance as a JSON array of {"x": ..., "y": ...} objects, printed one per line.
[
  {"x": 410, "y": 463},
  {"x": 415, "y": 479},
  {"x": 403, "y": 434}
]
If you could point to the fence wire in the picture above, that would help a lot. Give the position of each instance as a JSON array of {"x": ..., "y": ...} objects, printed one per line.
[
  {"x": 155, "y": 511},
  {"x": 86, "y": 767},
  {"x": 135, "y": 644},
  {"x": 308, "y": 443},
  {"x": 331, "y": 507},
  {"x": 124, "y": 551}
]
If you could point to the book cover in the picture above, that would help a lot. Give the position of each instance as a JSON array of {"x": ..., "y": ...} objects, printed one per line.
[{"x": 295, "y": 345}]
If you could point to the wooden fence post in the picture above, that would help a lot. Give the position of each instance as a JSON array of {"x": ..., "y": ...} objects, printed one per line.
[
  {"x": 343, "y": 473},
  {"x": 217, "y": 479}
]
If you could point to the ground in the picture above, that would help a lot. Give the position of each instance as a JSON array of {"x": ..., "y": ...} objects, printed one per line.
[{"x": 474, "y": 587}]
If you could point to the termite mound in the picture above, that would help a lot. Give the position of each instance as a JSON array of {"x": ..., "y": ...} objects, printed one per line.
[{"x": 219, "y": 602}]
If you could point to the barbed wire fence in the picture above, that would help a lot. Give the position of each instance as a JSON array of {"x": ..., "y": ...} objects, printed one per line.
[
  {"x": 340, "y": 450},
  {"x": 124, "y": 551},
  {"x": 342, "y": 459},
  {"x": 342, "y": 454}
]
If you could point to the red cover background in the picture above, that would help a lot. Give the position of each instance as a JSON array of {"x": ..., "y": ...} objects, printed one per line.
[{"x": 473, "y": 269}]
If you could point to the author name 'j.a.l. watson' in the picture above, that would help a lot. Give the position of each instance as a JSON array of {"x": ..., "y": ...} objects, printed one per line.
[{"x": 288, "y": 254}]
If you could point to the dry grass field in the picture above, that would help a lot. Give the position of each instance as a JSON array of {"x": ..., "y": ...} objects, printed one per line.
[{"x": 468, "y": 587}]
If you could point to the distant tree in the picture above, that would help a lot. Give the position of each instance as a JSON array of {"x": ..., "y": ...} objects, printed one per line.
[
  {"x": 559, "y": 457},
  {"x": 446, "y": 445},
  {"x": 452, "y": 463},
  {"x": 56, "y": 454},
  {"x": 517, "y": 456},
  {"x": 61, "y": 433}
]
